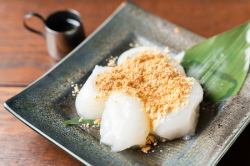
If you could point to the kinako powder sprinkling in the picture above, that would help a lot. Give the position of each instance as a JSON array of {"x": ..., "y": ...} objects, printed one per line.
[{"x": 151, "y": 77}]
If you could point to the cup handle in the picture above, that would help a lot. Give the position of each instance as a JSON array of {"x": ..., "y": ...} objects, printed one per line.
[{"x": 27, "y": 17}]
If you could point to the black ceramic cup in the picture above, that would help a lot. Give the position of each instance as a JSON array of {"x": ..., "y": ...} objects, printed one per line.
[{"x": 63, "y": 31}]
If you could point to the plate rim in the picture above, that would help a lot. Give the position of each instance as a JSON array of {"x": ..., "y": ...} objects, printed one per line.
[
  {"x": 9, "y": 109},
  {"x": 213, "y": 161}
]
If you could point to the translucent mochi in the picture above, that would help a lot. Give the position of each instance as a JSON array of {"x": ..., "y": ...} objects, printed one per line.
[
  {"x": 87, "y": 104},
  {"x": 183, "y": 120},
  {"x": 124, "y": 122}
]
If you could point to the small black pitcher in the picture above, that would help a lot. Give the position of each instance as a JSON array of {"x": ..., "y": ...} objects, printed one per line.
[{"x": 63, "y": 31}]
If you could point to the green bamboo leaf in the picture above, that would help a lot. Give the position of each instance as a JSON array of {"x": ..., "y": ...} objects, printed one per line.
[
  {"x": 221, "y": 63},
  {"x": 78, "y": 121}
]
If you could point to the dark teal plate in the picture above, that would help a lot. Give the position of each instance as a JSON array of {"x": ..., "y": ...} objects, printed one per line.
[{"x": 46, "y": 103}]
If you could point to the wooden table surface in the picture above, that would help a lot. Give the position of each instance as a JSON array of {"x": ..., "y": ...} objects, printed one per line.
[{"x": 23, "y": 58}]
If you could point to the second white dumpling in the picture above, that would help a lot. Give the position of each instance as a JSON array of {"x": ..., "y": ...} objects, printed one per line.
[
  {"x": 181, "y": 121},
  {"x": 124, "y": 122}
]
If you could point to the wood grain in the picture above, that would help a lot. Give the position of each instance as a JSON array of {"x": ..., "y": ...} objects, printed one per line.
[
  {"x": 23, "y": 55},
  {"x": 20, "y": 145},
  {"x": 23, "y": 58}
]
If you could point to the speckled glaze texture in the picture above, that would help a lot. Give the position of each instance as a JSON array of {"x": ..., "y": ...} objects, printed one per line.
[{"x": 46, "y": 103}]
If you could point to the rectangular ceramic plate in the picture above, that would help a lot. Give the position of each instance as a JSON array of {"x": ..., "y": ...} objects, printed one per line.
[{"x": 46, "y": 103}]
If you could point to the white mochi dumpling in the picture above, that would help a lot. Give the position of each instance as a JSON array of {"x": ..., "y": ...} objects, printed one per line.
[
  {"x": 124, "y": 123},
  {"x": 183, "y": 120},
  {"x": 135, "y": 51},
  {"x": 87, "y": 104}
]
